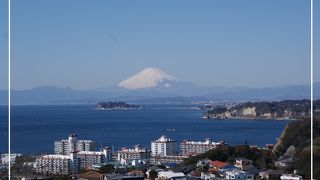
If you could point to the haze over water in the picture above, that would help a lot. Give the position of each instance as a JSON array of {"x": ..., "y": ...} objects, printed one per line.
[{"x": 35, "y": 128}]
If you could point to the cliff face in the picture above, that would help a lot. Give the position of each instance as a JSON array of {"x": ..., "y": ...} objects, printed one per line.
[{"x": 289, "y": 109}]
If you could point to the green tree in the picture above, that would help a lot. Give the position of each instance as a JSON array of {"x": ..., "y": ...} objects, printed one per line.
[
  {"x": 108, "y": 168},
  {"x": 153, "y": 174},
  {"x": 242, "y": 151}
]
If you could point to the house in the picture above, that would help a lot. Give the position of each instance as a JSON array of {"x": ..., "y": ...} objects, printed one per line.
[
  {"x": 91, "y": 175},
  {"x": 239, "y": 175},
  {"x": 246, "y": 165},
  {"x": 136, "y": 173},
  {"x": 214, "y": 166},
  {"x": 242, "y": 163},
  {"x": 271, "y": 174},
  {"x": 222, "y": 170},
  {"x": 207, "y": 176},
  {"x": 203, "y": 162},
  {"x": 171, "y": 175},
  {"x": 290, "y": 177},
  {"x": 121, "y": 177}
]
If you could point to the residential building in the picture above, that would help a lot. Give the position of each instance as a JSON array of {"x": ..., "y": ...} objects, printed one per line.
[
  {"x": 290, "y": 177},
  {"x": 246, "y": 165},
  {"x": 222, "y": 170},
  {"x": 89, "y": 175},
  {"x": 189, "y": 148},
  {"x": 137, "y": 153},
  {"x": 121, "y": 177},
  {"x": 214, "y": 166},
  {"x": 166, "y": 159},
  {"x": 271, "y": 174},
  {"x": 5, "y": 158},
  {"x": 72, "y": 144},
  {"x": 85, "y": 145},
  {"x": 207, "y": 176},
  {"x": 239, "y": 175},
  {"x": 243, "y": 163},
  {"x": 164, "y": 147},
  {"x": 170, "y": 175},
  {"x": 203, "y": 162},
  {"x": 88, "y": 158},
  {"x": 57, "y": 164},
  {"x": 108, "y": 153}
]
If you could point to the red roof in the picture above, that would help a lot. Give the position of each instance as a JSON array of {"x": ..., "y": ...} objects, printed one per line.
[{"x": 217, "y": 164}]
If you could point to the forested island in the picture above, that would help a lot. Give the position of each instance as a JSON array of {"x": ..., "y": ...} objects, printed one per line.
[
  {"x": 288, "y": 109},
  {"x": 117, "y": 106}
]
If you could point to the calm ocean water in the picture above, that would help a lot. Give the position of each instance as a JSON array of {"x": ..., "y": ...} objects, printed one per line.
[{"x": 34, "y": 128}]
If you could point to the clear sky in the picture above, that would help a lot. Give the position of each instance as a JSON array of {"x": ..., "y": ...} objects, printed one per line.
[{"x": 86, "y": 44}]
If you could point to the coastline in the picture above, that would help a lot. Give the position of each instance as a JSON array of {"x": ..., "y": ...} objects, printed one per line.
[{"x": 250, "y": 118}]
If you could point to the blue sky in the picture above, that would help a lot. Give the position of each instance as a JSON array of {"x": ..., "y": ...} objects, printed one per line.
[{"x": 86, "y": 44}]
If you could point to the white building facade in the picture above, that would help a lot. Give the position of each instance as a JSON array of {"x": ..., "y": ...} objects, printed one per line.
[
  {"x": 137, "y": 153},
  {"x": 57, "y": 164},
  {"x": 5, "y": 158},
  {"x": 164, "y": 147},
  {"x": 188, "y": 148},
  {"x": 72, "y": 144},
  {"x": 88, "y": 158}
]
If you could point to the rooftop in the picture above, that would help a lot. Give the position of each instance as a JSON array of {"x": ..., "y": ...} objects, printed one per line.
[{"x": 163, "y": 138}]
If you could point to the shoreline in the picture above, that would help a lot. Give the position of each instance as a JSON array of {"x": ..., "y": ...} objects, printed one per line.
[{"x": 250, "y": 118}]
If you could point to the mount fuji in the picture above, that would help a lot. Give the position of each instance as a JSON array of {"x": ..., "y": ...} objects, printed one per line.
[
  {"x": 148, "y": 78},
  {"x": 157, "y": 83}
]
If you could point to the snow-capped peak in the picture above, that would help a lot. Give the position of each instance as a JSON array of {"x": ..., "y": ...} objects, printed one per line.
[{"x": 147, "y": 78}]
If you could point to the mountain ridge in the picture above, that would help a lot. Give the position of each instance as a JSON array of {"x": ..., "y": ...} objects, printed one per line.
[{"x": 57, "y": 95}]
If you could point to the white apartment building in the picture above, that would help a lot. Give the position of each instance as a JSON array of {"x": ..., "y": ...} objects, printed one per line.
[
  {"x": 137, "y": 153},
  {"x": 57, "y": 164},
  {"x": 164, "y": 147},
  {"x": 188, "y": 148},
  {"x": 5, "y": 158},
  {"x": 72, "y": 144},
  {"x": 88, "y": 158}
]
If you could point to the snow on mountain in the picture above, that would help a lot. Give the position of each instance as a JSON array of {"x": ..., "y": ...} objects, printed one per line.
[{"x": 147, "y": 78}]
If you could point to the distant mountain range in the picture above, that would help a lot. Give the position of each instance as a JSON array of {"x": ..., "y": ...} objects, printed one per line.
[{"x": 155, "y": 86}]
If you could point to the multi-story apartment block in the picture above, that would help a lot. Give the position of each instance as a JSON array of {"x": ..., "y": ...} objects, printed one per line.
[
  {"x": 188, "y": 148},
  {"x": 72, "y": 144},
  {"x": 108, "y": 153},
  {"x": 57, "y": 164},
  {"x": 137, "y": 153},
  {"x": 164, "y": 147},
  {"x": 88, "y": 158}
]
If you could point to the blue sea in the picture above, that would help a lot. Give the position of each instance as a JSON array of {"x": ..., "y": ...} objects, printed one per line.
[{"x": 35, "y": 128}]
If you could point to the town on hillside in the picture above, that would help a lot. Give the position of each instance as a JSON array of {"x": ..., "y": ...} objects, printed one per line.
[{"x": 74, "y": 158}]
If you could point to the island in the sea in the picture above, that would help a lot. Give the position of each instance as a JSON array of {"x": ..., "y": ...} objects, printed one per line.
[
  {"x": 117, "y": 106},
  {"x": 281, "y": 110}
]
